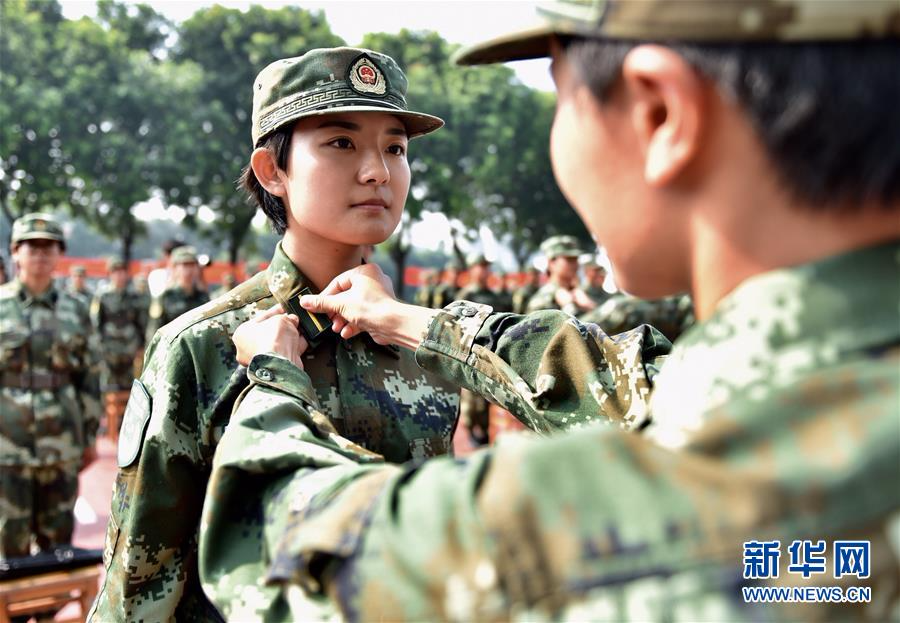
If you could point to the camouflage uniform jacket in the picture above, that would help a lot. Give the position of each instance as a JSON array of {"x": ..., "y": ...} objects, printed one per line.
[
  {"x": 598, "y": 295},
  {"x": 49, "y": 408},
  {"x": 443, "y": 295},
  {"x": 672, "y": 315},
  {"x": 777, "y": 418},
  {"x": 179, "y": 409},
  {"x": 171, "y": 304},
  {"x": 521, "y": 297},
  {"x": 481, "y": 295},
  {"x": 423, "y": 296},
  {"x": 118, "y": 320}
]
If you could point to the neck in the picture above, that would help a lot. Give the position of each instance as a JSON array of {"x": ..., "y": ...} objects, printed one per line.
[
  {"x": 320, "y": 260},
  {"x": 36, "y": 284},
  {"x": 562, "y": 282},
  {"x": 732, "y": 247}
]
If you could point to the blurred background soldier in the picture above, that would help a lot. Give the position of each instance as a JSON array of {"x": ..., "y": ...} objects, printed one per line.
[
  {"x": 672, "y": 315},
  {"x": 48, "y": 404},
  {"x": 182, "y": 295},
  {"x": 426, "y": 290},
  {"x": 503, "y": 292},
  {"x": 161, "y": 278},
  {"x": 523, "y": 294},
  {"x": 228, "y": 282},
  {"x": 445, "y": 292},
  {"x": 474, "y": 410},
  {"x": 561, "y": 290},
  {"x": 117, "y": 316},
  {"x": 4, "y": 277},
  {"x": 78, "y": 284},
  {"x": 594, "y": 277}
]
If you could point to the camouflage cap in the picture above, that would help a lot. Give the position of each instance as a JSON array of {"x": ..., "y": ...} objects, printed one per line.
[
  {"x": 184, "y": 255},
  {"x": 557, "y": 246},
  {"x": 692, "y": 20},
  {"x": 37, "y": 226},
  {"x": 453, "y": 264},
  {"x": 78, "y": 271},
  {"x": 476, "y": 257},
  {"x": 333, "y": 80},
  {"x": 115, "y": 263}
]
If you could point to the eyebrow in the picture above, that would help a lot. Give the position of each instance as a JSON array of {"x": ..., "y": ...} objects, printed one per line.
[{"x": 355, "y": 127}]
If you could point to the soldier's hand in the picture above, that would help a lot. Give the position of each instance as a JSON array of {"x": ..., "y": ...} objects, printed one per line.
[
  {"x": 271, "y": 331},
  {"x": 362, "y": 300},
  {"x": 582, "y": 299},
  {"x": 357, "y": 301},
  {"x": 87, "y": 457}
]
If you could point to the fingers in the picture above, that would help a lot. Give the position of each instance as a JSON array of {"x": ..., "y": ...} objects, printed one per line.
[{"x": 267, "y": 313}]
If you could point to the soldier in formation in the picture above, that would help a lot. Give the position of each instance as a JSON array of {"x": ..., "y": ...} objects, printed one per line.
[
  {"x": 49, "y": 409},
  {"x": 562, "y": 290},
  {"x": 445, "y": 291},
  {"x": 523, "y": 293},
  {"x": 594, "y": 278},
  {"x": 755, "y": 178},
  {"x": 426, "y": 290},
  {"x": 117, "y": 316},
  {"x": 330, "y": 131},
  {"x": 78, "y": 284},
  {"x": 181, "y": 295}
]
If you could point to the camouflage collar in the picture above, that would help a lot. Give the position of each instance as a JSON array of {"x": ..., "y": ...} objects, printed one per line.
[
  {"x": 284, "y": 279},
  {"x": 47, "y": 299}
]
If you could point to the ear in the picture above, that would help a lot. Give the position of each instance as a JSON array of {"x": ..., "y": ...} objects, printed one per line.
[
  {"x": 266, "y": 170},
  {"x": 667, "y": 110}
]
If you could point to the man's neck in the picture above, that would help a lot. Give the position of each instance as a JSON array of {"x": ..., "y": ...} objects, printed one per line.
[
  {"x": 36, "y": 285},
  {"x": 318, "y": 259},
  {"x": 729, "y": 250},
  {"x": 561, "y": 282}
]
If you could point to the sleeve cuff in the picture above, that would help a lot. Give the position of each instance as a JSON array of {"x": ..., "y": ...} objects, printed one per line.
[
  {"x": 452, "y": 332},
  {"x": 281, "y": 374}
]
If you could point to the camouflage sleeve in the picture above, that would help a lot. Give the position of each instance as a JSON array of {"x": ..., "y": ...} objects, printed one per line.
[
  {"x": 278, "y": 457},
  {"x": 547, "y": 368},
  {"x": 151, "y": 536}
]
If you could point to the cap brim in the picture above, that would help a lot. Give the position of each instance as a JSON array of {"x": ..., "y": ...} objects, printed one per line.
[
  {"x": 416, "y": 123},
  {"x": 38, "y": 235},
  {"x": 517, "y": 46}
]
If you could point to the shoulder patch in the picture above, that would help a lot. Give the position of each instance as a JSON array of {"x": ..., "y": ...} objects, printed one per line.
[{"x": 134, "y": 424}]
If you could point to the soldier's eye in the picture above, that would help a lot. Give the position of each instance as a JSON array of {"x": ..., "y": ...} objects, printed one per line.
[
  {"x": 342, "y": 143},
  {"x": 397, "y": 150}
]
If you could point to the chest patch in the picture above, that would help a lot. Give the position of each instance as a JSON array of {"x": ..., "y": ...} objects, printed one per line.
[{"x": 134, "y": 424}]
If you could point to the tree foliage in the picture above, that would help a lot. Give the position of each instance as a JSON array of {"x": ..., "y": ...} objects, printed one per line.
[{"x": 98, "y": 115}]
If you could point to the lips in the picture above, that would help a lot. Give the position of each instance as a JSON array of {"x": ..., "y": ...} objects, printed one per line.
[{"x": 371, "y": 204}]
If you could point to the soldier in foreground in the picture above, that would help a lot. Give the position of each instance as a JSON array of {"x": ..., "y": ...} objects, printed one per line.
[
  {"x": 562, "y": 290},
  {"x": 182, "y": 295},
  {"x": 117, "y": 316},
  {"x": 756, "y": 179},
  {"x": 49, "y": 410},
  {"x": 328, "y": 166}
]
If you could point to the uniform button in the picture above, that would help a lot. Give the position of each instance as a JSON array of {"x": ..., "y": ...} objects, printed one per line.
[
  {"x": 264, "y": 375},
  {"x": 469, "y": 312}
]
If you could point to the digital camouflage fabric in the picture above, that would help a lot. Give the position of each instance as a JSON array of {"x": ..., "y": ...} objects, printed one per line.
[
  {"x": 49, "y": 413},
  {"x": 672, "y": 315},
  {"x": 374, "y": 395},
  {"x": 172, "y": 303},
  {"x": 777, "y": 418},
  {"x": 117, "y": 317}
]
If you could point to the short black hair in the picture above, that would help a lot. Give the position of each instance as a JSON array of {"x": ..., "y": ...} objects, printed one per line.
[
  {"x": 826, "y": 112},
  {"x": 279, "y": 143},
  {"x": 172, "y": 244}
]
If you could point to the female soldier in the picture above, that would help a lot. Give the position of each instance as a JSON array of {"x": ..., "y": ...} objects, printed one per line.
[{"x": 329, "y": 168}]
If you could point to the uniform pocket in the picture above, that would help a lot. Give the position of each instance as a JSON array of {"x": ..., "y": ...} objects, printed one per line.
[{"x": 13, "y": 349}]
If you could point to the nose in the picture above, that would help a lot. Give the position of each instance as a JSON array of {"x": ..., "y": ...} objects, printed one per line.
[{"x": 373, "y": 169}]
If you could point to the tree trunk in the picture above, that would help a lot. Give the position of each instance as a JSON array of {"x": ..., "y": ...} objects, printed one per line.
[{"x": 127, "y": 244}]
